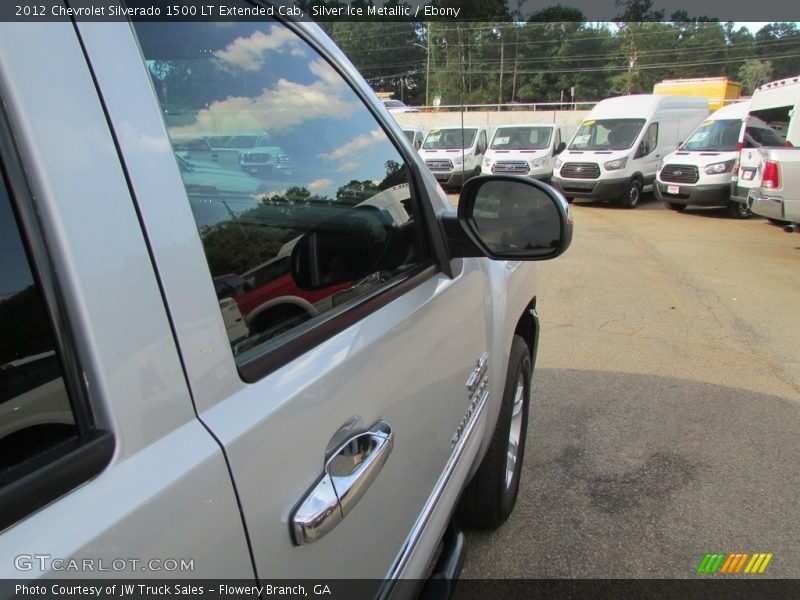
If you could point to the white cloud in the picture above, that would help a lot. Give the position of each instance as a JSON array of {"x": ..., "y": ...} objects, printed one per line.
[
  {"x": 318, "y": 185},
  {"x": 249, "y": 53},
  {"x": 286, "y": 105},
  {"x": 367, "y": 140},
  {"x": 326, "y": 73},
  {"x": 347, "y": 167}
]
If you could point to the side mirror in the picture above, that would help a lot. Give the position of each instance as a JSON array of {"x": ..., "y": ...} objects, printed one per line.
[
  {"x": 560, "y": 148},
  {"x": 418, "y": 142},
  {"x": 505, "y": 217},
  {"x": 345, "y": 248}
]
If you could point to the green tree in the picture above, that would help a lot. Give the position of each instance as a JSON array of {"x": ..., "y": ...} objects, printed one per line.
[
  {"x": 779, "y": 43},
  {"x": 753, "y": 73}
]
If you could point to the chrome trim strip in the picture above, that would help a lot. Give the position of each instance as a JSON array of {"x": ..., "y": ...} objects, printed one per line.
[{"x": 433, "y": 500}]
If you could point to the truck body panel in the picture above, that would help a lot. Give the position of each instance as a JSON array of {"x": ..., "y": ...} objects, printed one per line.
[
  {"x": 720, "y": 91},
  {"x": 213, "y": 438},
  {"x": 777, "y": 197}
]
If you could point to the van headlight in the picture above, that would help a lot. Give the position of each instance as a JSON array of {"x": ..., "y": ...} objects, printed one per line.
[
  {"x": 616, "y": 164},
  {"x": 487, "y": 162},
  {"x": 660, "y": 166},
  {"x": 537, "y": 162},
  {"x": 559, "y": 162},
  {"x": 720, "y": 167}
]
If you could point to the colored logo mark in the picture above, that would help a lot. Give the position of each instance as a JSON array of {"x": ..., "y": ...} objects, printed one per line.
[{"x": 735, "y": 562}]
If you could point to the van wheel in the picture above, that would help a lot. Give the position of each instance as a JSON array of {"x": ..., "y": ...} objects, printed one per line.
[
  {"x": 738, "y": 210},
  {"x": 632, "y": 194},
  {"x": 673, "y": 206},
  {"x": 490, "y": 497}
]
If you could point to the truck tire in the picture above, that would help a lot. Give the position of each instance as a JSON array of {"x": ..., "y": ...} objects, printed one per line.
[
  {"x": 738, "y": 210},
  {"x": 673, "y": 206},
  {"x": 778, "y": 222},
  {"x": 630, "y": 199},
  {"x": 490, "y": 497}
]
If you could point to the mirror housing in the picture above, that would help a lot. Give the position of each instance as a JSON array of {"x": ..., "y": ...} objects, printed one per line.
[
  {"x": 560, "y": 148},
  {"x": 507, "y": 217}
]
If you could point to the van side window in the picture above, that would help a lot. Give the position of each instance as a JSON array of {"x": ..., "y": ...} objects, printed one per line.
[
  {"x": 308, "y": 206},
  {"x": 482, "y": 142},
  {"x": 36, "y": 417},
  {"x": 649, "y": 141}
]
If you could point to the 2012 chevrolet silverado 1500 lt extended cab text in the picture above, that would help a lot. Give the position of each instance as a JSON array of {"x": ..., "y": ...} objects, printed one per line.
[{"x": 334, "y": 436}]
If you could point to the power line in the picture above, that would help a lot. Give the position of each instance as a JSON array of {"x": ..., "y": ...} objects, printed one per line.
[{"x": 596, "y": 69}]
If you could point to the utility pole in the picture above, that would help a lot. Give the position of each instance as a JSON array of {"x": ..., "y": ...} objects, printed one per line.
[
  {"x": 516, "y": 57},
  {"x": 631, "y": 65},
  {"x": 502, "y": 54},
  {"x": 428, "y": 64}
]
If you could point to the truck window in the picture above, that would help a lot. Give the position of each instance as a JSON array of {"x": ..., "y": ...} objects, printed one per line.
[
  {"x": 649, "y": 141},
  {"x": 310, "y": 234},
  {"x": 35, "y": 412},
  {"x": 775, "y": 120}
]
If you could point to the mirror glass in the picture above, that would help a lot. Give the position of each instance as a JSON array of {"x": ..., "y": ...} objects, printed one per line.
[{"x": 514, "y": 218}]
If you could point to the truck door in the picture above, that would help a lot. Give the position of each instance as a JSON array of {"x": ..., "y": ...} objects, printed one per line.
[
  {"x": 336, "y": 426},
  {"x": 106, "y": 470}
]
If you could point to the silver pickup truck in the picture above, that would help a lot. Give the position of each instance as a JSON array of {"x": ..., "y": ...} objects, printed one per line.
[
  {"x": 776, "y": 185},
  {"x": 140, "y": 436}
]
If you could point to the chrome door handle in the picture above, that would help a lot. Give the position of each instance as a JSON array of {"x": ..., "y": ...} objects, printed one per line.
[{"x": 348, "y": 474}]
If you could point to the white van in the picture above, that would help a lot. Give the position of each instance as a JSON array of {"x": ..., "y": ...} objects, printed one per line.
[
  {"x": 525, "y": 149},
  {"x": 453, "y": 154},
  {"x": 615, "y": 152},
  {"x": 772, "y": 122},
  {"x": 699, "y": 171}
]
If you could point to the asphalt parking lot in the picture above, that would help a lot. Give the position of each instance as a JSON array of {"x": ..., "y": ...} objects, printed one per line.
[{"x": 667, "y": 402}]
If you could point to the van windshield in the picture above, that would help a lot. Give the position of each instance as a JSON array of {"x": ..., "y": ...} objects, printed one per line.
[
  {"x": 606, "y": 134},
  {"x": 716, "y": 136},
  {"x": 522, "y": 138},
  {"x": 449, "y": 139}
]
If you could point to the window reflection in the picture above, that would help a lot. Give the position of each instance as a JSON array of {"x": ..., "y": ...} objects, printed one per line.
[
  {"x": 273, "y": 144},
  {"x": 35, "y": 413}
]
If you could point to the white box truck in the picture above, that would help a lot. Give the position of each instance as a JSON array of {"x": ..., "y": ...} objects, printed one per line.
[
  {"x": 614, "y": 153},
  {"x": 527, "y": 150},
  {"x": 699, "y": 171},
  {"x": 454, "y": 155}
]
